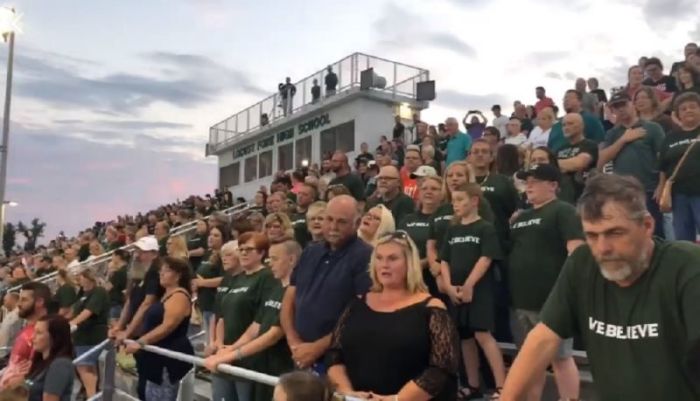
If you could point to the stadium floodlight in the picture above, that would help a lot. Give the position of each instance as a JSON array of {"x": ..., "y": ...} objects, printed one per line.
[{"x": 9, "y": 25}]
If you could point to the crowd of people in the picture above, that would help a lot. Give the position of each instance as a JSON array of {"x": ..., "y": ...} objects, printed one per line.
[{"x": 395, "y": 275}]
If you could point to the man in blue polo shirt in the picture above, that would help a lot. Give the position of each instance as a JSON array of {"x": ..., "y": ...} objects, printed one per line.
[
  {"x": 328, "y": 276},
  {"x": 458, "y": 143},
  {"x": 592, "y": 126}
]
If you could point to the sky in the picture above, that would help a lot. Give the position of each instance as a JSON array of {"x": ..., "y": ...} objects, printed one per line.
[{"x": 112, "y": 101}]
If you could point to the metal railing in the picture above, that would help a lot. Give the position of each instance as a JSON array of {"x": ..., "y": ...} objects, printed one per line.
[
  {"x": 401, "y": 79},
  {"x": 100, "y": 262}
]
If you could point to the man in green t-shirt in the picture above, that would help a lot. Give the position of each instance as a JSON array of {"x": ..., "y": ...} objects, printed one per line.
[
  {"x": 306, "y": 195},
  {"x": 633, "y": 299},
  {"x": 391, "y": 195},
  {"x": 542, "y": 237}
]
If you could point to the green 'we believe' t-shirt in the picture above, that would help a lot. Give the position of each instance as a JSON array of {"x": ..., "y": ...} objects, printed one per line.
[
  {"x": 441, "y": 219},
  {"x": 241, "y": 303},
  {"x": 539, "y": 237},
  {"x": 639, "y": 338},
  {"x": 465, "y": 244},
  {"x": 500, "y": 191}
]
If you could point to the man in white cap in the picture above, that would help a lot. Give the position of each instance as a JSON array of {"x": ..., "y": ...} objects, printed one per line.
[{"x": 144, "y": 290}]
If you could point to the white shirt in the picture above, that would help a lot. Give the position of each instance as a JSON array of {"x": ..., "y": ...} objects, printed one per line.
[
  {"x": 9, "y": 328},
  {"x": 538, "y": 137},
  {"x": 500, "y": 124},
  {"x": 516, "y": 140}
]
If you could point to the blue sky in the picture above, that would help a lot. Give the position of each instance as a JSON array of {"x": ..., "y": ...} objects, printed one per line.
[{"x": 113, "y": 99}]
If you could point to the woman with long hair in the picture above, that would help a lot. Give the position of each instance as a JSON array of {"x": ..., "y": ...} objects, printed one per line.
[
  {"x": 648, "y": 107},
  {"x": 278, "y": 226},
  {"x": 397, "y": 340},
  {"x": 687, "y": 80},
  {"x": 417, "y": 225},
  {"x": 209, "y": 275},
  {"x": 176, "y": 247},
  {"x": 66, "y": 294},
  {"x": 165, "y": 325},
  {"x": 377, "y": 222},
  {"x": 51, "y": 375},
  {"x": 90, "y": 319}
]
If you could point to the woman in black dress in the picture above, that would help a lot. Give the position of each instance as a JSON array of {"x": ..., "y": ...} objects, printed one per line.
[{"x": 397, "y": 342}]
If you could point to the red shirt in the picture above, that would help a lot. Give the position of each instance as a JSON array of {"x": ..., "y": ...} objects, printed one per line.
[
  {"x": 21, "y": 356},
  {"x": 410, "y": 185},
  {"x": 543, "y": 103}
]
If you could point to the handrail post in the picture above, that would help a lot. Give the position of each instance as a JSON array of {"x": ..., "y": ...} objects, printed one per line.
[{"x": 110, "y": 372}]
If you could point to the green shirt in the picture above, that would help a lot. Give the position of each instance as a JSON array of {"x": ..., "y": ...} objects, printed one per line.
[
  {"x": 638, "y": 158},
  {"x": 464, "y": 245},
  {"x": 640, "y": 338},
  {"x": 675, "y": 144},
  {"x": 163, "y": 247},
  {"x": 500, "y": 191},
  {"x": 65, "y": 296},
  {"x": 401, "y": 206},
  {"x": 592, "y": 130},
  {"x": 94, "y": 329},
  {"x": 353, "y": 183},
  {"x": 118, "y": 279},
  {"x": 278, "y": 358},
  {"x": 539, "y": 238},
  {"x": 301, "y": 231},
  {"x": 206, "y": 296},
  {"x": 441, "y": 220},
  {"x": 577, "y": 179},
  {"x": 417, "y": 225},
  {"x": 242, "y": 301},
  {"x": 195, "y": 242}
]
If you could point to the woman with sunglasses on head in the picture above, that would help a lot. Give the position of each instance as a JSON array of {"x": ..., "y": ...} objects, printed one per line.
[
  {"x": 417, "y": 225},
  {"x": 397, "y": 341},
  {"x": 376, "y": 223},
  {"x": 241, "y": 298},
  {"x": 456, "y": 174}
]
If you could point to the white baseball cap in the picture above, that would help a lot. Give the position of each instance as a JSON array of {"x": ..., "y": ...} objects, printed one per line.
[
  {"x": 147, "y": 244},
  {"x": 424, "y": 171}
]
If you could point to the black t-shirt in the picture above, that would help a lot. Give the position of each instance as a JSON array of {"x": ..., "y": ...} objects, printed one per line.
[
  {"x": 398, "y": 131},
  {"x": 401, "y": 206},
  {"x": 600, "y": 94},
  {"x": 331, "y": 81},
  {"x": 315, "y": 92},
  {"x": 674, "y": 145},
  {"x": 665, "y": 84},
  {"x": 301, "y": 231},
  {"x": 578, "y": 178},
  {"x": 353, "y": 183},
  {"x": 150, "y": 285}
]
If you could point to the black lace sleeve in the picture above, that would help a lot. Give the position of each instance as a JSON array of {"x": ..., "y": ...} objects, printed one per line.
[
  {"x": 444, "y": 352},
  {"x": 334, "y": 355}
]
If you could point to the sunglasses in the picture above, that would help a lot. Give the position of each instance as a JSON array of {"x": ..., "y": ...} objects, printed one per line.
[{"x": 398, "y": 234}]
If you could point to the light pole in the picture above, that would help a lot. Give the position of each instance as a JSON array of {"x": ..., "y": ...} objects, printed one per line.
[{"x": 8, "y": 21}]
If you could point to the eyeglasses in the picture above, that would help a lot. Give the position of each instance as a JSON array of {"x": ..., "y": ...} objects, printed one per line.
[
  {"x": 246, "y": 249},
  {"x": 387, "y": 178},
  {"x": 374, "y": 217}
]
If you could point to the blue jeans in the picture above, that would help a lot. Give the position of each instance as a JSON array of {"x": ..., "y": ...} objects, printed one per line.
[
  {"x": 686, "y": 216},
  {"x": 207, "y": 317},
  {"x": 244, "y": 390},
  {"x": 655, "y": 212},
  {"x": 223, "y": 388}
]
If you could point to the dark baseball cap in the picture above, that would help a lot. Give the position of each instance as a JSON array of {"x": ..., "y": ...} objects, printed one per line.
[
  {"x": 619, "y": 98},
  {"x": 544, "y": 172}
]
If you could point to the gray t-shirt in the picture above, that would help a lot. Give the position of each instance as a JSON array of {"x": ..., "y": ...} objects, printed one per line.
[
  {"x": 57, "y": 379},
  {"x": 639, "y": 159}
]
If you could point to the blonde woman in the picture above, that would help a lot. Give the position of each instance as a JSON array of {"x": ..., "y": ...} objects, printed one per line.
[
  {"x": 396, "y": 342},
  {"x": 278, "y": 227},
  {"x": 315, "y": 216},
  {"x": 177, "y": 247},
  {"x": 96, "y": 249},
  {"x": 377, "y": 222}
]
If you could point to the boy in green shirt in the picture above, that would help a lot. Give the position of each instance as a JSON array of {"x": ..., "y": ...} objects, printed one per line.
[{"x": 470, "y": 246}]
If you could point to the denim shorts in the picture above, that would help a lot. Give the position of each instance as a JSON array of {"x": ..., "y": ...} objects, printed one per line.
[{"x": 90, "y": 360}]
